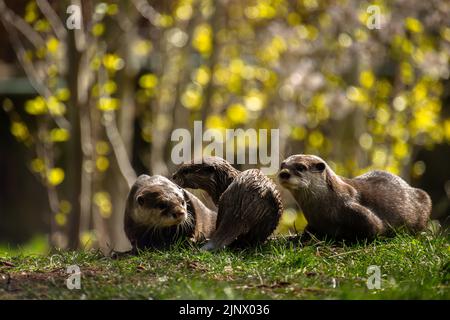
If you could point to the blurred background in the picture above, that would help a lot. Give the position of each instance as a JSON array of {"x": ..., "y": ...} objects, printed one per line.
[{"x": 86, "y": 103}]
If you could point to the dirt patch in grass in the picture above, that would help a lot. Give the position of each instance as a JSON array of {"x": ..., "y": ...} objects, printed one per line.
[{"x": 15, "y": 285}]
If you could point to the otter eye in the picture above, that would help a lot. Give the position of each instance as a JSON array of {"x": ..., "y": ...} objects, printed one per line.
[
  {"x": 162, "y": 206},
  {"x": 300, "y": 167},
  {"x": 140, "y": 200},
  {"x": 319, "y": 167}
]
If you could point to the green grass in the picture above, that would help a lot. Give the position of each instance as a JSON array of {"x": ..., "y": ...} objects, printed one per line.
[{"x": 412, "y": 268}]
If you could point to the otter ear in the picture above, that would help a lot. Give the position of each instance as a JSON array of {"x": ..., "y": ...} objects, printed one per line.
[{"x": 319, "y": 167}]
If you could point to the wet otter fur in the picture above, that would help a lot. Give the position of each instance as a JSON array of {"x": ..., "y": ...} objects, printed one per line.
[
  {"x": 249, "y": 205},
  {"x": 159, "y": 214},
  {"x": 373, "y": 204}
]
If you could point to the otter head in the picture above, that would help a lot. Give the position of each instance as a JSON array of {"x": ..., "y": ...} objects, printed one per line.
[
  {"x": 212, "y": 174},
  {"x": 195, "y": 175},
  {"x": 157, "y": 202},
  {"x": 303, "y": 172}
]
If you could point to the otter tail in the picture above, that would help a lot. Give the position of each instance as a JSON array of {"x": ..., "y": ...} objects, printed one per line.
[{"x": 225, "y": 234}]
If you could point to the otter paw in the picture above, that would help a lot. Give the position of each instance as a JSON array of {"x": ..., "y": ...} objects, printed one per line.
[{"x": 209, "y": 246}]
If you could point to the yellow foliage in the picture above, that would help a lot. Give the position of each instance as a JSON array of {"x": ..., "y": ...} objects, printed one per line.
[
  {"x": 202, "y": 75},
  {"x": 202, "y": 39},
  {"x": 88, "y": 239},
  {"x": 142, "y": 47},
  {"x": 400, "y": 150},
  {"x": 148, "y": 81},
  {"x": 31, "y": 12},
  {"x": 184, "y": 12},
  {"x": 112, "y": 62},
  {"x": 103, "y": 201},
  {"x": 345, "y": 40},
  {"x": 358, "y": 95},
  {"x": 146, "y": 133},
  {"x": 420, "y": 92},
  {"x": 426, "y": 117},
  {"x": 42, "y": 25},
  {"x": 20, "y": 130},
  {"x": 298, "y": 133},
  {"x": 107, "y": 104},
  {"x": 237, "y": 113},
  {"x": 55, "y": 107},
  {"x": 102, "y": 164},
  {"x": 293, "y": 19},
  {"x": 262, "y": 10},
  {"x": 192, "y": 98},
  {"x": 236, "y": 66},
  {"x": 418, "y": 169},
  {"x": 112, "y": 10},
  {"x": 102, "y": 148},
  {"x": 400, "y": 103},
  {"x": 215, "y": 122},
  {"x": 447, "y": 129},
  {"x": 316, "y": 139},
  {"x": 361, "y": 35},
  {"x": 413, "y": 25},
  {"x": 95, "y": 63},
  {"x": 36, "y": 106},
  {"x": 37, "y": 165},
  {"x": 52, "y": 45},
  {"x": 365, "y": 141},
  {"x": 445, "y": 33},
  {"x": 98, "y": 29},
  {"x": 65, "y": 206},
  {"x": 59, "y": 135},
  {"x": 318, "y": 110},
  {"x": 291, "y": 221},
  {"x": 221, "y": 75},
  {"x": 382, "y": 115},
  {"x": 367, "y": 79},
  {"x": 60, "y": 219},
  {"x": 272, "y": 52},
  {"x": 41, "y": 52},
  {"x": 406, "y": 72},
  {"x": 55, "y": 176},
  {"x": 63, "y": 94},
  {"x": 379, "y": 157},
  {"x": 109, "y": 87},
  {"x": 164, "y": 21},
  {"x": 255, "y": 100}
]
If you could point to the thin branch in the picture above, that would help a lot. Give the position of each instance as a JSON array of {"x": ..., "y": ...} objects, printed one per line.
[
  {"x": 147, "y": 11},
  {"x": 118, "y": 147},
  {"x": 36, "y": 81},
  {"x": 53, "y": 19},
  {"x": 114, "y": 137},
  {"x": 9, "y": 16}
]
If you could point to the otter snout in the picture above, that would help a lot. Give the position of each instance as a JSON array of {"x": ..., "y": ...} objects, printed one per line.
[
  {"x": 292, "y": 178},
  {"x": 178, "y": 213},
  {"x": 284, "y": 174}
]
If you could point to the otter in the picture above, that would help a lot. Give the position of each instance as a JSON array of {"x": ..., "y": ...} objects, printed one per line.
[
  {"x": 373, "y": 204},
  {"x": 159, "y": 213},
  {"x": 249, "y": 204}
]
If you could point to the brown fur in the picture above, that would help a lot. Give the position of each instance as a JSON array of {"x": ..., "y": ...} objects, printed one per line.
[
  {"x": 167, "y": 214},
  {"x": 364, "y": 207},
  {"x": 249, "y": 205},
  {"x": 213, "y": 175}
]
